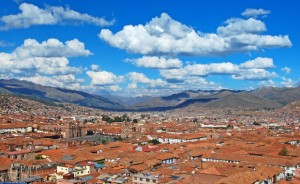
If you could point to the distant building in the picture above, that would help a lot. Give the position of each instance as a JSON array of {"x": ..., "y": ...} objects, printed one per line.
[
  {"x": 132, "y": 130},
  {"x": 128, "y": 130},
  {"x": 75, "y": 130},
  {"x": 145, "y": 178}
]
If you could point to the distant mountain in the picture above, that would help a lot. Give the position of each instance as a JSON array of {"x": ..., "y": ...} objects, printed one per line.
[
  {"x": 280, "y": 95},
  {"x": 52, "y": 94},
  {"x": 261, "y": 98},
  {"x": 127, "y": 101}
]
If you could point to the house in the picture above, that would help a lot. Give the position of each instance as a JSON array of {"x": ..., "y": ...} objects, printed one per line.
[
  {"x": 167, "y": 158},
  {"x": 20, "y": 154},
  {"x": 145, "y": 179},
  {"x": 14, "y": 128},
  {"x": 74, "y": 170},
  {"x": 176, "y": 138},
  {"x": 4, "y": 169},
  {"x": 260, "y": 175}
]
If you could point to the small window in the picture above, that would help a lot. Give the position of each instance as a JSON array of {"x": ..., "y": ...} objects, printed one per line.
[
  {"x": 141, "y": 179},
  {"x": 135, "y": 178},
  {"x": 147, "y": 180},
  {"x": 154, "y": 181}
]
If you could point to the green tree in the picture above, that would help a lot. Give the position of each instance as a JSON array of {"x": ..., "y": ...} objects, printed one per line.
[
  {"x": 104, "y": 141},
  {"x": 154, "y": 141},
  {"x": 284, "y": 151},
  {"x": 229, "y": 126},
  {"x": 118, "y": 138},
  {"x": 100, "y": 161},
  {"x": 38, "y": 157}
]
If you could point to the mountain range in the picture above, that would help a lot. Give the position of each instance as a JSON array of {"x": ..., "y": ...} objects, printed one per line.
[{"x": 267, "y": 97}]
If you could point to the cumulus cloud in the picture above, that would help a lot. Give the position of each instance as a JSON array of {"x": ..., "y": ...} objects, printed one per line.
[
  {"x": 136, "y": 77},
  {"x": 44, "y": 63},
  {"x": 95, "y": 68},
  {"x": 63, "y": 81},
  {"x": 286, "y": 82},
  {"x": 49, "y": 57},
  {"x": 254, "y": 74},
  {"x": 156, "y": 62},
  {"x": 104, "y": 78},
  {"x": 51, "y": 15},
  {"x": 225, "y": 68},
  {"x": 241, "y": 26},
  {"x": 166, "y": 36},
  {"x": 259, "y": 62},
  {"x": 132, "y": 86},
  {"x": 51, "y": 48},
  {"x": 267, "y": 83},
  {"x": 174, "y": 75},
  {"x": 139, "y": 85},
  {"x": 212, "y": 69},
  {"x": 251, "y": 12},
  {"x": 249, "y": 70},
  {"x": 287, "y": 70}
]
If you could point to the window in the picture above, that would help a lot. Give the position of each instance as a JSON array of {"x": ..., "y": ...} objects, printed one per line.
[
  {"x": 135, "y": 178},
  {"x": 147, "y": 180},
  {"x": 154, "y": 181},
  {"x": 141, "y": 179}
]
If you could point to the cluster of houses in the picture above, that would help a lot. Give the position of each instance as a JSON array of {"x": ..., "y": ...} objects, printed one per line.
[{"x": 172, "y": 147}]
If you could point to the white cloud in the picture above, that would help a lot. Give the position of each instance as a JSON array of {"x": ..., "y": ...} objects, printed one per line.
[
  {"x": 114, "y": 88},
  {"x": 132, "y": 86},
  {"x": 136, "y": 77},
  {"x": 156, "y": 62},
  {"x": 51, "y": 15},
  {"x": 49, "y": 57},
  {"x": 212, "y": 69},
  {"x": 179, "y": 75},
  {"x": 174, "y": 75},
  {"x": 267, "y": 83},
  {"x": 52, "y": 66},
  {"x": 249, "y": 70},
  {"x": 51, "y": 48},
  {"x": 5, "y": 44},
  {"x": 251, "y": 12},
  {"x": 259, "y": 62},
  {"x": 31, "y": 66},
  {"x": 62, "y": 81},
  {"x": 104, "y": 78},
  {"x": 165, "y": 36},
  {"x": 253, "y": 42},
  {"x": 158, "y": 87},
  {"x": 287, "y": 70},
  {"x": 254, "y": 74},
  {"x": 44, "y": 63},
  {"x": 286, "y": 82},
  {"x": 191, "y": 83},
  {"x": 95, "y": 68},
  {"x": 241, "y": 26}
]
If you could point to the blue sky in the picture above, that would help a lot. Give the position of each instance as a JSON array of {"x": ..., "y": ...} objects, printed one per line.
[{"x": 135, "y": 48}]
